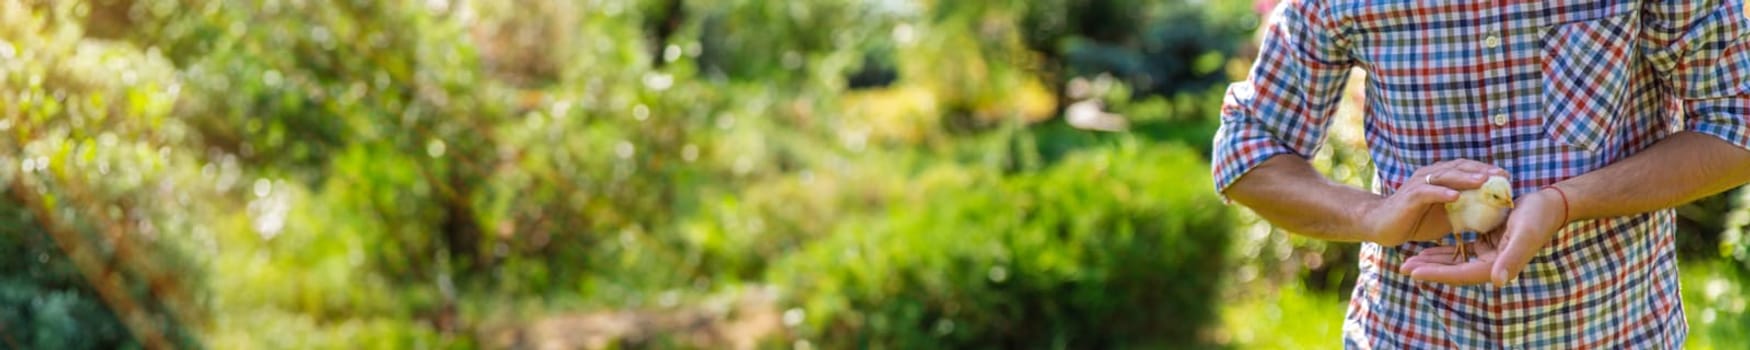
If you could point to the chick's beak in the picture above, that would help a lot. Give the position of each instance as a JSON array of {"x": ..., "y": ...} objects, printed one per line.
[{"x": 1509, "y": 203}]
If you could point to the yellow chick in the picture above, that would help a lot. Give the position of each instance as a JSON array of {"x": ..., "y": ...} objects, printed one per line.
[{"x": 1479, "y": 210}]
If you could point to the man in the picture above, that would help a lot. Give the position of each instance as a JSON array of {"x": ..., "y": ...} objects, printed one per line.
[{"x": 1603, "y": 113}]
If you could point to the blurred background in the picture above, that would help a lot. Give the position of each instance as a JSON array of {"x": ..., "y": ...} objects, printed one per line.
[{"x": 663, "y": 174}]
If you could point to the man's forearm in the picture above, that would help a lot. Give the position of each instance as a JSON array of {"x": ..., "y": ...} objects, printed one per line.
[
  {"x": 1679, "y": 169},
  {"x": 1288, "y": 192}
]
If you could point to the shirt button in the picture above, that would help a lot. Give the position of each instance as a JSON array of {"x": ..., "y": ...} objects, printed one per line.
[
  {"x": 1500, "y": 119},
  {"x": 1492, "y": 41}
]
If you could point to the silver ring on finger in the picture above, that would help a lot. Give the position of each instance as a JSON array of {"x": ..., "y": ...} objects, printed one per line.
[{"x": 1428, "y": 179}]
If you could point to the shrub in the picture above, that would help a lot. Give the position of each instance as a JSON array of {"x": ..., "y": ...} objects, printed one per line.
[
  {"x": 1107, "y": 248},
  {"x": 96, "y": 235}
]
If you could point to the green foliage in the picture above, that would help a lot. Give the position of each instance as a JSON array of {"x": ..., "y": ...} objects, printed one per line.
[
  {"x": 1734, "y": 243},
  {"x": 778, "y": 42},
  {"x": 1108, "y": 248},
  {"x": 1291, "y": 317},
  {"x": 98, "y": 225},
  {"x": 1158, "y": 47},
  {"x": 1714, "y": 304},
  {"x": 412, "y": 174},
  {"x": 289, "y": 84},
  {"x": 44, "y": 300}
]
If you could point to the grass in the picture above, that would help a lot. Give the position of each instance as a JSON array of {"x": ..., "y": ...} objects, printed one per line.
[
  {"x": 1714, "y": 302},
  {"x": 1292, "y": 317}
]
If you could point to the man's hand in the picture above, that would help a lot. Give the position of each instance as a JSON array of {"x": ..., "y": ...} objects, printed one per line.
[
  {"x": 1288, "y": 192},
  {"x": 1438, "y": 264},
  {"x": 1531, "y": 225},
  {"x": 1407, "y": 213}
]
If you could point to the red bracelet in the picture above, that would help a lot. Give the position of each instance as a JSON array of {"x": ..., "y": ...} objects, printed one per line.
[{"x": 1564, "y": 202}]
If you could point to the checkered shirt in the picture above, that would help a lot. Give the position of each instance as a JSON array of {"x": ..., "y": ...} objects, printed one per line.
[{"x": 1547, "y": 89}]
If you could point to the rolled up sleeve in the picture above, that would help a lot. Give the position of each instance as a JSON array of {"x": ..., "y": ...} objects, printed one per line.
[
  {"x": 1700, "y": 51},
  {"x": 1286, "y": 102}
]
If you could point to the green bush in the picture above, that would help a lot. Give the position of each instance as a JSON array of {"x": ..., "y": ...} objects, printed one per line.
[
  {"x": 1117, "y": 247},
  {"x": 1734, "y": 244},
  {"x": 1715, "y": 301},
  {"x": 324, "y": 171},
  {"x": 97, "y": 206},
  {"x": 47, "y": 303},
  {"x": 1159, "y": 47}
]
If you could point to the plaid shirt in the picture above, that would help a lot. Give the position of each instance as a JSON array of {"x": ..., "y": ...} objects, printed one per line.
[{"x": 1547, "y": 89}]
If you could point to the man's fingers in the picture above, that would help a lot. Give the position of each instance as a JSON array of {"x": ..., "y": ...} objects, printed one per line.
[
  {"x": 1457, "y": 179},
  {"x": 1410, "y": 265},
  {"x": 1513, "y": 257},
  {"x": 1431, "y": 256},
  {"x": 1460, "y": 174},
  {"x": 1423, "y": 195},
  {"x": 1446, "y": 250},
  {"x": 1465, "y": 273},
  {"x": 1437, "y": 265}
]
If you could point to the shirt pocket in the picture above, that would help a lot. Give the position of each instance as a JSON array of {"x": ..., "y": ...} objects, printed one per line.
[{"x": 1585, "y": 76}]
